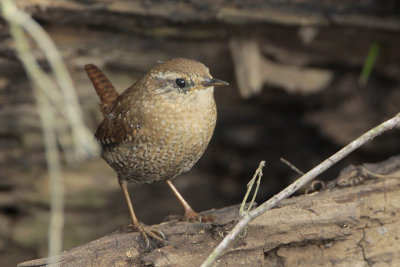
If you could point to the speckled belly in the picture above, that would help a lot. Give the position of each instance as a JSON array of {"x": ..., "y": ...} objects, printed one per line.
[{"x": 171, "y": 148}]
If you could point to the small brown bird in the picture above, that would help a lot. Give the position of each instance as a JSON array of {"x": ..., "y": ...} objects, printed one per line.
[{"x": 157, "y": 128}]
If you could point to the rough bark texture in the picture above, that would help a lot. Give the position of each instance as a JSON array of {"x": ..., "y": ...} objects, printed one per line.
[{"x": 354, "y": 226}]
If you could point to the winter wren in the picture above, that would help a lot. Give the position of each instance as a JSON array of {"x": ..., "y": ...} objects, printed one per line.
[{"x": 157, "y": 128}]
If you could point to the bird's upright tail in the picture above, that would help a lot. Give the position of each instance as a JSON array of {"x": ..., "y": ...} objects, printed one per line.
[{"x": 105, "y": 90}]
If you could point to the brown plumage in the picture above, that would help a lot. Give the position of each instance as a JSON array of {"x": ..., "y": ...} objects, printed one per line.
[
  {"x": 157, "y": 128},
  {"x": 104, "y": 88}
]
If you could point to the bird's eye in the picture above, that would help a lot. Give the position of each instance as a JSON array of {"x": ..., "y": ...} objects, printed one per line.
[{"x": 180, "y": 82}]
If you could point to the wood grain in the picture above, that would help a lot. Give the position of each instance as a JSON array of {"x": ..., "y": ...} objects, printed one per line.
[{"x": 352, "y": 226}]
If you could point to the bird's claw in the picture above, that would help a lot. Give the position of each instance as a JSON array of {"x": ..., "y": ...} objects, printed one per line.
[{"x": 147, "y": 231}]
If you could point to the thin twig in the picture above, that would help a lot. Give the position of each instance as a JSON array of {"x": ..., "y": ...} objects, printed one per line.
[
  {"x": 272, "y": 202},
  {"x": 49, "y": 135},
  {"x": 84, "y": 145},
  {"x": 257, "y": 176},
  {"x": 60, "y": 113},
  {"x": 292, "y": 166},
  {"x": 56, "y": 227}
]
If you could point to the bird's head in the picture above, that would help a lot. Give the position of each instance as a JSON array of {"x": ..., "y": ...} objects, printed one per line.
[{"x": 181, "y": 76}]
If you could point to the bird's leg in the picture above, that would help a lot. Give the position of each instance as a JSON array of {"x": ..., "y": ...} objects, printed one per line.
[
  {"x": 190, "y": 214},
  {"x": 144, "y": 230}
]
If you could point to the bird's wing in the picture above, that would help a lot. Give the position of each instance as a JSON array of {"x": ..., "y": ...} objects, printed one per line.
[{"x": 121, "y": 125}]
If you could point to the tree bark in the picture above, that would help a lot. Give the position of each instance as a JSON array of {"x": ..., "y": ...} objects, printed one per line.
[{"x": 342, "y": 226}]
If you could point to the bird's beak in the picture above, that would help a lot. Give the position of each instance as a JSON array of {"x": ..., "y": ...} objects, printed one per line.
[{"x": 213, "y": 82}]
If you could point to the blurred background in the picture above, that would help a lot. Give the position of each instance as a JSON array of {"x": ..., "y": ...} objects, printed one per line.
[{"x": 307, "y": 77}]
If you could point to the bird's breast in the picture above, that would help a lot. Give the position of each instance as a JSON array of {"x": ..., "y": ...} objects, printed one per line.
[
  {"x": 182, "y": 131},
  {"x": 174, "y": 136}
]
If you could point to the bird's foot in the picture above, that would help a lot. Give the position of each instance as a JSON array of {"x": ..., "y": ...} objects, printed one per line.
[{"x": 147, "y": 231}]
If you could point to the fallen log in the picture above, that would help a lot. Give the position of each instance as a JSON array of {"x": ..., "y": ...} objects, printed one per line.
[{"x": 343, "y": 226}]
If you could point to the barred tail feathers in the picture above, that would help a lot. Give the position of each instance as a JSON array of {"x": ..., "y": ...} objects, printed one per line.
[{"x": 104, "y": 88}]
